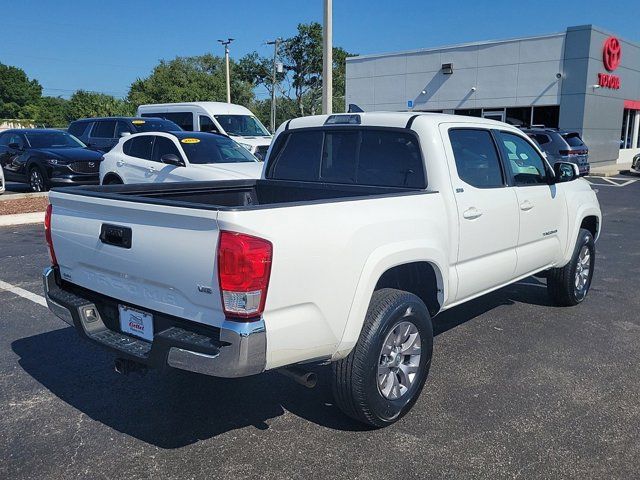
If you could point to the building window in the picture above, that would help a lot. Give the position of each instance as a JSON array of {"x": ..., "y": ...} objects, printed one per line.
[
  {"x": 470, "y": 112},
  {"x": 547, "y": 116},
  {"x": 630, "y": 121},
  {"x": 519, "y": 116}
]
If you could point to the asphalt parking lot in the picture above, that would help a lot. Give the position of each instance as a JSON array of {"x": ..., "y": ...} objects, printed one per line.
[{"x": 518, "y": 389}]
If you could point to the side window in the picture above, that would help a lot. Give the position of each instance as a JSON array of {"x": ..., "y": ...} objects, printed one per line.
[
  {"x": 164, "y": 146},
  {"x": 15, "y": 138},
  {"x": 540, "y": 138},
  {"x": 139, "y": 147},
  {"x": 103, "y": 129},
  {"x": 77, "y": 128},
  {"x": 207, "y": 125},
  {"x": 477, "y": 160},
  {"x": 183, "y": 119},
  {"x": 122, "y": 127},
  {"x": 527, "y": 166}
]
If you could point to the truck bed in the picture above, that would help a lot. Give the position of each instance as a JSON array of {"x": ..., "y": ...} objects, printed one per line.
[{"x": 236, "y": 194}]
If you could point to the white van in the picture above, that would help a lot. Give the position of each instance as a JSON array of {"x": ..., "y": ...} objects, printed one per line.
[{"x": 234, "y": 120}]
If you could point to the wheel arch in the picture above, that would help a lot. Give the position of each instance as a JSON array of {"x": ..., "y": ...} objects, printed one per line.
[
  {"x": 111, "y": 176},
  {"x": 401, "y": 268}
]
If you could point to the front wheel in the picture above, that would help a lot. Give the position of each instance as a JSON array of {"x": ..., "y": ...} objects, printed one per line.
[
  {"x": 382, "y": 377},
  {"x": 569, "y": 285},
  {"x": 37, "y": 180}
]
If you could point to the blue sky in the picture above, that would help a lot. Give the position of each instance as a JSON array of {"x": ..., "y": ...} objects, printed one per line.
[{"x": 105, "y": 45}]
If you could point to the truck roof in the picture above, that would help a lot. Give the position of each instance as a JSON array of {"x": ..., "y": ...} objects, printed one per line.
[
  {"x": 219, "y": 108},
  {"x": 391, "y": 119}
]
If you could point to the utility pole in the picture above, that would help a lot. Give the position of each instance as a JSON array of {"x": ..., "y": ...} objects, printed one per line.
[
  {"x": 327, "y": 59},
  {"x": 226, "y": 62},
  {"x": 274, "y": 80}
]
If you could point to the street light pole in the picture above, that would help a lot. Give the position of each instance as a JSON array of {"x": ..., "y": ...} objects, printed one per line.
[
  {"x": 274, "y": 80},
  {"x": 226, "y": 62},
  {"x": 327, "y": 59}
]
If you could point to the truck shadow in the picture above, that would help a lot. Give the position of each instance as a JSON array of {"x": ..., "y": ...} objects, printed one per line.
[{"x": 171, "y": 409}]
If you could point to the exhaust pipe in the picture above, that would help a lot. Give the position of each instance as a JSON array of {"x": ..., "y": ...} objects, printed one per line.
[
  {"x": 304, "y": 378},
  {"x": 125, "y": 367}
]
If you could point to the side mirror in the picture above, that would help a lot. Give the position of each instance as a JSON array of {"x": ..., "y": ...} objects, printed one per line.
[
  {"x": 565, "y": 171},
  {"x": 124, "y": 134},
  {"x": 14, "y": 146},
  {"x": 172, "y": 159}
]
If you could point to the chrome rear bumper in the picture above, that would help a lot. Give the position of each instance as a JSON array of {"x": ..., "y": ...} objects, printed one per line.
[{"x": 240, "y": 350}]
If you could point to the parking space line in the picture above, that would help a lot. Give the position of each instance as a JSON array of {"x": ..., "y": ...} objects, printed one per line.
[{"x": 21, "y": 292}]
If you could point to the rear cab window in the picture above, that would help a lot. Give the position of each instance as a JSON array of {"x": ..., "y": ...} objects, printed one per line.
[{"x": 385, "y": 157}]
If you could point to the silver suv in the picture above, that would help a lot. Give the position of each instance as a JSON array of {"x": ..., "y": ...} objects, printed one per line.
[{"x": 561, "y": 146}]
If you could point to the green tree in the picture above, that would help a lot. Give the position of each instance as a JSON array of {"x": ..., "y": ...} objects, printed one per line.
[
  {"x": 90, "y": 104},
  {"x": 190, "y": 79},
  {"x": 302, "y": 56},
  {"x": 49, "y": 112},
  {"x": 16, "y": 91}
]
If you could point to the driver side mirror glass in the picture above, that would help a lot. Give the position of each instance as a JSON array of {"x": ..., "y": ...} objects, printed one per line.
[
  {"x": 172, "y": 159},
  {"x": 565, "y": 171}
]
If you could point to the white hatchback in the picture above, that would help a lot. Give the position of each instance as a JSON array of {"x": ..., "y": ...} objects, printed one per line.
[
  {"x": 177, "y": 157},
  {"x": 2, "y": 185}
]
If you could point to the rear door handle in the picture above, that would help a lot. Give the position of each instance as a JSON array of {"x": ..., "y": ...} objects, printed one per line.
[
  {"x": 526, "y": 206},
  {"x": 472, "y": 213}
]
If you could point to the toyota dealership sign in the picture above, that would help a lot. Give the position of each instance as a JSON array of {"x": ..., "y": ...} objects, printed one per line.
[{"x": 611, "y": 56}]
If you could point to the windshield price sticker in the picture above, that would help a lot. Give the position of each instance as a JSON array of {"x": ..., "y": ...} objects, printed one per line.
[{"x": 190, "y": 140}]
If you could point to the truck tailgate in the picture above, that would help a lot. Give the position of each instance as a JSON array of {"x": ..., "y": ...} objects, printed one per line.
[{"x": 169, "y": 265}]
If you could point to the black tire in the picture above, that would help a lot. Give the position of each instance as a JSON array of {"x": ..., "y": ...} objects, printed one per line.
[
  {"x": 355, "y": 377},
  {"x": 38, "y": 181},
  {"x": 562, "y": 284}
]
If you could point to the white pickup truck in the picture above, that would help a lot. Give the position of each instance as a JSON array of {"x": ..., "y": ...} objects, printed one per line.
[{"x": 363, "y": 228}]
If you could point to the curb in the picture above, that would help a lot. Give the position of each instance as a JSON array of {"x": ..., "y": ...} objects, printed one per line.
[
  {"x": 610, "y": 174},
  {"x": 21, "y": 219},
  {"x": 19, "y": 196}
]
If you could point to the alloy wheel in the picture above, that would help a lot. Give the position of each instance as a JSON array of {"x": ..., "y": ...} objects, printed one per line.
[{"x": 399, "y": 360}]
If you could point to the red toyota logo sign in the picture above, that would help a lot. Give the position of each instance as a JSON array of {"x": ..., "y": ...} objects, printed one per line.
[{"x": 611, "y": 53}]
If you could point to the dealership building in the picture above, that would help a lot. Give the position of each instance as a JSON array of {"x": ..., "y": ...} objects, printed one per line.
[{"x": 584, "y": 79}]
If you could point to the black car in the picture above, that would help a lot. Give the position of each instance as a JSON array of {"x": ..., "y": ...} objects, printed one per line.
[
  {"x": 103, "y": 133},
  {"x": 44, "y": 158}
]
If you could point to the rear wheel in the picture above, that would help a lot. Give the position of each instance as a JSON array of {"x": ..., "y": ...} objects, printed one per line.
[
  {"x": 570, "y": 284},
  {"x": 37, "y": 180},
  {"x": 382, "y": 377}
]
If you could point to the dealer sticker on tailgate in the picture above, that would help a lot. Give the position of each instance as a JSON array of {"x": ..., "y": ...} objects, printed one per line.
[{"x": 135, "y": 322}]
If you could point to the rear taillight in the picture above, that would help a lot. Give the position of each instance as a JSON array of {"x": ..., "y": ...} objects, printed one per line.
[
  {"x": 47, "y": 235},
  {"x": 244, "y": 266},
  {"x": 573, "y": 152}
]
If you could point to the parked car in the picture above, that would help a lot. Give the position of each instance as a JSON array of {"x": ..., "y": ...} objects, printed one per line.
[
  {"x": 2, "y": 184},
  {"x": 234, "y": 120},
  {"x": 635, "y": 164},
  {"x": 361, "y": 230},
  {"x": 103, "y": 133},
  {"x": 44, "y": 158},
  {"x": 561, "y": 146},
  {"x": 177, "y": 157}
]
